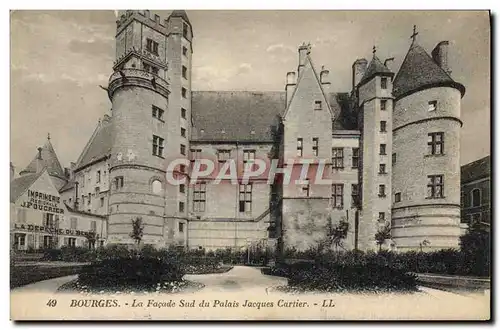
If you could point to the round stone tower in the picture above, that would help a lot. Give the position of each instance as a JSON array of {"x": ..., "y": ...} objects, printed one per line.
[{"x": 426, "y": 152}]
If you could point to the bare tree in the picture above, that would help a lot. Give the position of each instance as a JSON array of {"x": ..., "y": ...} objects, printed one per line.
[
  {"x": 383, "y": 234},
  {"x": 338, "y": 233},
  {"x": 137, "y": 230}
]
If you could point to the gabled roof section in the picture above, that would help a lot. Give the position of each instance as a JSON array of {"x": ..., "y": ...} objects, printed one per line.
[
  {"x": 420, "y": 71},
  {"x": 99, "y": 145},
  {"x": 309, "y": 66},
  {"x": 244, "y": 116},
  {"x": 375, "y": 68},
  {"x": 20, "y": 185},
  {"x": 48, "y": 159},
  {"x": 475, "y": 170}
]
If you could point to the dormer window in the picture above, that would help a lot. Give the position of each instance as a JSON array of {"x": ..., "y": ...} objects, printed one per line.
[
  {"x": 383, "y": 83},
  {"x": 317, "y": 105},
  {"x": 432, "y": 105}
]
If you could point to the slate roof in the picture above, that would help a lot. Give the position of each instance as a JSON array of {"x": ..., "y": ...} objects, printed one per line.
[
  {"x": 180, "y": 13},
  {"x": 20, "y": 185},
  {"x": 375, "y": 67},
  {"x": 420, "y": 71},
  {"x": 69, "y": 185},
  {"x": 234, "y": 115},
  {"x": 99, "y": 145},
  {"x": 49, "y": 160},
  {"x": 71, "y": 209},
  {"x": 478, "y": 169}
]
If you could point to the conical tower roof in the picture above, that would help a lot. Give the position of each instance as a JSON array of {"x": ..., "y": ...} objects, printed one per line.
[
  {"x": 46, "y": 157},
  {"x": 375, "y": 68},
  {"x": 419, "y": 71}
]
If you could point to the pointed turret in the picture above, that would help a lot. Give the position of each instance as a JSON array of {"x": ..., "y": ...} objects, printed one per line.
[
  {"x": 420, "y": 71},
  {"x": 45, "y": 157},
  {"x": 182, "y": 14},
  {"x": 376, "y": 67}
]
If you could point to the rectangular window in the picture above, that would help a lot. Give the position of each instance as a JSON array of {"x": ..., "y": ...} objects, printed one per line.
[
  {"x": 249, "y": 157},
  {"x": 338, "y": 195},
  {"x": 158, "y": 146},
  {"x": 435, "y": 186},
  {"x": 397, "y": 197},
  {"x": 195, "y": 154},
  {"x": 93, "y": 226},
  {"x": 383, "y": 105},
  {"x": 337, "y": 157},
  {"x": 48, "y": 220},
  {"x": 317, "y": 105},
  {"x": 184, "y": 92},
  {"x": 199, "y": 197},
  {"x": 432, "y": 105},
  {"x": 183, "y": 132},
  {"x": 48, "y": 242},
  {"x": 102, "y": 202},
  {"x": 381, "y": 190},
  {"x": 152, "y": 46},
  {"x": 150, "y": 68},
  {"x": 181, "y": 207},
  {"x": 89, "y": 200},
  {"x": 182, "y": 188},
  {"x": 315, "y": 146},
  {"x": 382, "y": 169},
  {"x": 245, "y": 197},
  {"x": 98, "y": 177},
  {"x": 305, "y": 190},
  {"x": 383, "y": 83},
  {"x": 435, "y": 143},
  {"x": 181, "y": 227},
  {"x": 157, "y": 112},
  {"x": 118, "y": 182},
  {"x": 393, "y": 158},
  {"x": 355, "y": 157},
  {"x": 184, "y": 30},
  {"x": 382, "y": 149},
  {"x": 74, "y": 223},
  {"x": 383, "y": 126},
  {"x": 184, "y": 72},
  {"x": 184, "y": 51},
  {"x": 354, "y": 195},
  {"x": 381, "y": 216},
  {"x": 183, "y": 150},
  {"x": 183, "y": 113},
  {"x": 300, "y": 147},
  {"x": 223, "y": 155}
]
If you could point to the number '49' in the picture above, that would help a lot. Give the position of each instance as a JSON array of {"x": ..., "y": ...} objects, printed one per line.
[{"x": 52, "y": 303}]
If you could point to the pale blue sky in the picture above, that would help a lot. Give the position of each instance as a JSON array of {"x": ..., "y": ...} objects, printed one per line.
[{"x": 58, "y": 59}]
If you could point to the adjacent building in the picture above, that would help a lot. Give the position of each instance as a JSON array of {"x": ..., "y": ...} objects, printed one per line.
[{"x": 476, "y": 191}]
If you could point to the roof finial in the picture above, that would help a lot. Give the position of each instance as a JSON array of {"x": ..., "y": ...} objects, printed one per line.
[
  {"x": 48, "y": 136},
  {"x": 414, "y": 35},
  {"x": 374, "y": 50}
]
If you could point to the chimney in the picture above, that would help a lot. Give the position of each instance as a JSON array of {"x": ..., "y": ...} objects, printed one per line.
[
  {"x": 324, "y": 79},
  {"x": 290, "y": 86},
  {"x": 358, "y": 70},
  {"x": 12, "y": 171},
  {"x": 440, "y": 55},
  {"x": 40, "y": 153},
  {"x": 304, "y": 50}
]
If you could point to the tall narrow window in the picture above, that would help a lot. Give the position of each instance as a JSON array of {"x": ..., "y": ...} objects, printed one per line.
[
  {"x": 382, "y": 169},
  {"x": 397, "y": 197},
  {"x": 184, "y": 30},
  {"x": 383, "y": 83},
  {"x": 89, "y": 200},
  {"x": 300, "y": 147},
  {"x": 181, "y": 207},
  {"x": 435, "y": 186},
  {"x": 383, "y": 105},
  {"x": 381, "y": 216},
  {"x": 152, "y": 46},
  {"x": 184, "y": 72},
  {"x": 182, "y": 188},
  {"x": 195, "y": 154},
  {"x": 337, "y": 157},
  {"x": 158, "y": 146},
  {"x": 306, "y": 190},
  {"x": 249, "y": 157},
  {"x": 183, "y": 113},
  {"x": 355, "y": 157},
  {"x": 393, "y": 158},
  {"x": 93, "y": 226},
  {"x": 156, "y": 187},
  {"x": 74, "y": 223},
  {"x": 245, "y": 198},
  {"x": 338, "y": 195},
  {"x": 183, "y": 150},
  {"x": 181, "y": 227},
  {"x": 435, "y": 143},
  {"x": 118, "y": 182},
  {"x": 199, "y": 197},
  {"x": 315, "y": 146},
  {"x": 184, "y": 92},
  {"x": 102, "y": 202},
  {"x": 223, "y": 155},
  {"x": 317, "y": 105},
  {"x": 382, "y": 149},
  {"x": 475, "y": 197},
  {"x": 381, "y": 190},
  {"x": 184, "y": 51},
  {"x": 432, "y": 105},
  {"x": 354, "y": 195},
  {"x": 383, "y": 126}
]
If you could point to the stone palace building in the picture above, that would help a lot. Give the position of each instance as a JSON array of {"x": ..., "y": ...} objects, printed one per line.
[{"x": 391, "y": 143}]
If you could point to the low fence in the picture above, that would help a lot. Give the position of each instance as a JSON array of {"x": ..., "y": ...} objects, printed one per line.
[{"x": 439, "y": 281}]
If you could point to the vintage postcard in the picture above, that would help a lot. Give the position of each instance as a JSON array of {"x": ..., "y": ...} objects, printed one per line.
[{"x": 250, "y": 165}]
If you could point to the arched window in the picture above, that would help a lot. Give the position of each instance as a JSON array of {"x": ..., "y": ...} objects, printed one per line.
[
  {"x": 156, "y": 187},
  {"x": 475, "y": 197}
]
